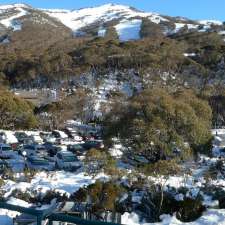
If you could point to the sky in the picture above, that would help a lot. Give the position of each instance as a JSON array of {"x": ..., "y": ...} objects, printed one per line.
[{"x": 193, "y": 9}]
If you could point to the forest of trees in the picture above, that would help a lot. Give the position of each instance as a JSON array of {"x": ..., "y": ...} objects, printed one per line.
[{"x": 157, "y": 124}]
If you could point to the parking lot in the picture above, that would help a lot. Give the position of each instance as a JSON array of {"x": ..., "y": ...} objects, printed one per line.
[{"x": 47, "y": 150}]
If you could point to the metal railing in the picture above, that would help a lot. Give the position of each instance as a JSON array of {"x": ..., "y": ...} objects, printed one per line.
[{"x": 51, "y": 216}]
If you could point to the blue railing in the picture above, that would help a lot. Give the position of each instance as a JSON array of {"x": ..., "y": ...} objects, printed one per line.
[{"x": 51, "y": 216}]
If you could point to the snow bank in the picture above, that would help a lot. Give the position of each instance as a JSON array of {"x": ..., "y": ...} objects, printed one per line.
[
  {"x": 60, "y": 181},
  {"x": 210, "y": 217},
  {"x": 9, "y": 136}
]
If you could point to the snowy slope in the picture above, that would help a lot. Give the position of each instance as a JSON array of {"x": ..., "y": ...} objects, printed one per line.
[
  {"x": 80, "y": 18},
  {"x": 19, "y": 11},
  {"x": 125, "y": 19}
]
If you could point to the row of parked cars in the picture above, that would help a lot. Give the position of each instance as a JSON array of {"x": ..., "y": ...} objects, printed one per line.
[{"x": 54, "y": 151}]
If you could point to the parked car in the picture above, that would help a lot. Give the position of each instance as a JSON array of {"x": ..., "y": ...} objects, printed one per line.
[
  {"x": 3, "y": 165},
  {"x": 59, "y": 134},
  {"x": 76, "y": 149},
  {"x": 67, "y": 160},
  {"x": 6, "y": 151},
  {"x": 31, "y": 149},
  {"x": 93, "y": 144},
  {"x": 73, "y": 134},
  {"x": 22, "y": 137},
  {"x": 15, "y": 162},
  {"x": 48, "y": 137},
  {"x": 36, "y": 162},
  {"x": 135, "y": 160},
  {"x": 51, "y": 148}
]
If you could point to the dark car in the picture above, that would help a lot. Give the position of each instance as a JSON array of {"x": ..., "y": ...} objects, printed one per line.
[
  {"x": 22, "y": 137},
  {"x": 93, "y": 144},
  {"x": 77, "y": 149},
  {"x": 3, "y": 165},
  {"x": 52, "y": 149}
]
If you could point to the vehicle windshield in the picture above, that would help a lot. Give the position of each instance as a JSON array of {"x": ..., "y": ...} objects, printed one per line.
[
  {"x": 39, "y": 161},
  {"x": 6, "y": 148},
  {"x": 69, "y": 158},
  {"x": 77, "y": 147},
  {"x": 29, "y": 147}
]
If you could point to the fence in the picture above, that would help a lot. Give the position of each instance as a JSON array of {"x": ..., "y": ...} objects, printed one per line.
[{"x": 51, "y": 216}]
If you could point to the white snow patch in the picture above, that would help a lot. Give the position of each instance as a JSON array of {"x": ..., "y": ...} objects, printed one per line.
[
  {"x": 101, "y": 32},
  {"x": 129, "y": 29},
  {"x": 60, "y": 181},
  {"x": 210, "y": 22},
  {"x": 210, "y": 217}
]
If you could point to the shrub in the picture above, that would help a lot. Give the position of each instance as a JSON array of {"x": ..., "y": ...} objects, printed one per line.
[
  {"x": 190, "y": 209},
  {"x": 162, "y": 167}
]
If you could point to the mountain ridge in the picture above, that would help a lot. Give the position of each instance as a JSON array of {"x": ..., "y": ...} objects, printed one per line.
[{"x": 92, "y": 19}]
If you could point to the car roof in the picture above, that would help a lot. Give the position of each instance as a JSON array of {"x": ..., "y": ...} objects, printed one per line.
[
  {"x": 66, "y": 153},
  {"x": 5, "y": 145}
]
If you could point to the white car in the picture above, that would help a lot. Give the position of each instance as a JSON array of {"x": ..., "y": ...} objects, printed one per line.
[
  {"x": 67, "y": 160},
  {"x": 6, "y": 151}
]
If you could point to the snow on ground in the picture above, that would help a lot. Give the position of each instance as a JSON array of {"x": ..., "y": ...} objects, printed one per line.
[
  {"x": 189, "y": 54},
  {"x": 210, "y": 22},
  {"x": 111, "y": 83},
  {"x": 60, "y": 181},
  {"x": 9, "y": 136},
  {"x": 129, "y": 29},
  {"x": 218, "y": 131},
  {"x": 210, "y": 217}
]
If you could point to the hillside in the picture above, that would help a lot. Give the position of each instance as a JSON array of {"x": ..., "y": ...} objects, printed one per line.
[{"x": 109, "y": 50}]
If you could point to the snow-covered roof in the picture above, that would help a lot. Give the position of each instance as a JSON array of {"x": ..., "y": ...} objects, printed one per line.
[{"x": 10, "y": 137}]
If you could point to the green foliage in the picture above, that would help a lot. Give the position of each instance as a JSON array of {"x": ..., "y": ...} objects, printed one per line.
[
  {"x": 99, "y": 160},
  {"x": 104, "y": 195},
  {"x": 111, "y": 33},
  {"x": 150, "y": 29},
  {"x": 162, "y": 167},
  {"x": 190, "y": 209},
  {"x": 156, "y": 123},
  {"x": 15, "y": 112}
]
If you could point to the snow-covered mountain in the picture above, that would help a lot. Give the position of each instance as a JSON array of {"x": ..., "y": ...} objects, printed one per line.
[{"x": 126, "y": 20}]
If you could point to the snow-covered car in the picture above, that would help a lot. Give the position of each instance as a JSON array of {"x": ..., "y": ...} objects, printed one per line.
[
  {"x": 6, "y": 151},
  {"x": 48, "y": 137},
  {"x": 67, "y": 160},
  {"x": 59, "y": 134},
  {"x": 15, "y": 162},
  {"x": 36, "y": 162}
]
